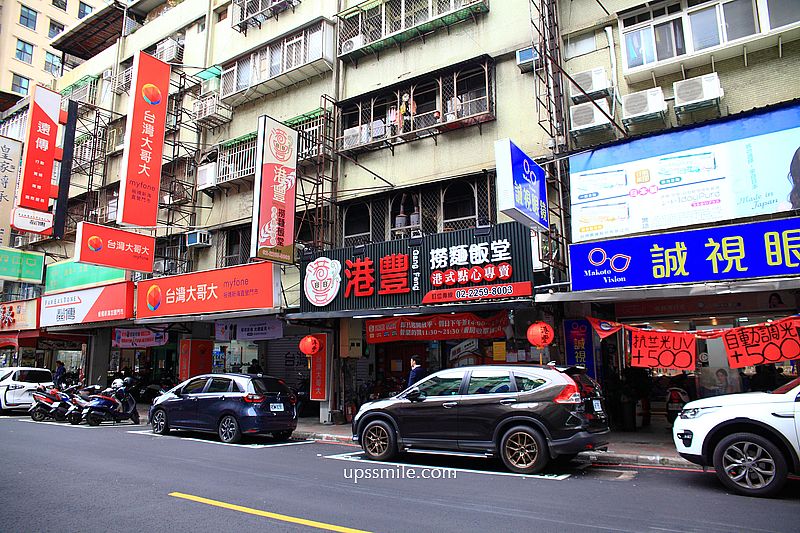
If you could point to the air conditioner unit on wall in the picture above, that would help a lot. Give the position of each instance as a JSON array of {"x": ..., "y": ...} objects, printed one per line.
[
  {"x": 588, "y": 117},
  {"x": 211, "y": 85},
  {"x": 594, "y": 82},
  {"x": 108, "y": 74},
  {"x": 354, "y": 136},
  {"x": 352, "y": 44},
  {"x": 198, "y": 239},
  {"x": 527, "y": 59},
  {"x": 206, "y": 176},
  {"x": 698, "y": 91},
  {"x": 643, "y": 105}
]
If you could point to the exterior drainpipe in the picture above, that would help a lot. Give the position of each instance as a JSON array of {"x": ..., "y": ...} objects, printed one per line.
[{"x": 612, "y": 51}]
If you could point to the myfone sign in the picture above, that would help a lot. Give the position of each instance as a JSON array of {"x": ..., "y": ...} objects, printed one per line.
[
  {"x": 759, "y": 249},
  {"x": 455, "y": 267}
]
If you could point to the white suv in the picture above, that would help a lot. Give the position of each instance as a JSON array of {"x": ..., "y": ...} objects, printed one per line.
[
  {"x": 17, "y": 384},
  {"x": 752, "y": 440}
]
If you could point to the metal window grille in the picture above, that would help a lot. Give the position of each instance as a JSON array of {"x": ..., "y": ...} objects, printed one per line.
[
  {"x": 252, "y": 13},
  {"x": 237, "y": 161},
  {"x": 122, "y": 81},
  {"x": 233, "y": 246}
]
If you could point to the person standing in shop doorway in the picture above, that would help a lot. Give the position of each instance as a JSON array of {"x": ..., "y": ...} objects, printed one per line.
[
  {"x": 59, "y": 375},
  {"x": 417, "y": 372},
  {"x": 254, "y": 368}
]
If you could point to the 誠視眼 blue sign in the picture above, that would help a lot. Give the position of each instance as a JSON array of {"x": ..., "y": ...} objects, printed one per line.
[
  {"x": 754, "y": 250},
  {"x": 521, "y": 186}
]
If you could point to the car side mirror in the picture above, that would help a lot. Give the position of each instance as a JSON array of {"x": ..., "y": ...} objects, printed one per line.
[{"x": 414, "y": 394}]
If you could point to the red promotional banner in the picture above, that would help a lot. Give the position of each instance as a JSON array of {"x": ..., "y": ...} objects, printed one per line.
[
  {"x": 663, "y": 349},
  {"x": 40, "y": 150},
  {"x": 140, "y": 175},
  {"x": 604, "y": 328},
  {"x": 195, "y": 358},
  {"x": 251, "y": 286},
  {"x": 763, "y": 344},
  {"x": 112, "y": 247},
  {"x": 275, "y": 189},
  {"x": 319, "y": 370},
  {"x": 436, "y": 327}
]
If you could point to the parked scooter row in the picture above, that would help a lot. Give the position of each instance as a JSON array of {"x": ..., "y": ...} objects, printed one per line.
[{"x": 76, "y": 404}]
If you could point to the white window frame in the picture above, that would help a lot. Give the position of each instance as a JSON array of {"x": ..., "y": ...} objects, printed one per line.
[{"x": 762, "y": 27}]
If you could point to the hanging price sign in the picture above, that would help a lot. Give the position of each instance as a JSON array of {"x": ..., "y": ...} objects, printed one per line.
[
  {"x": 764, "y": 344},
  {"x": 663, "y": 349}
]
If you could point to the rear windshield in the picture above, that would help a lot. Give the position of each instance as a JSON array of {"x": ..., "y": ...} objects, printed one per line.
[
  {"x": 587, "y": 385},
  {"x": 267, "y": 385},
  {"x": 783, "y": 389},
  {"x": 34, "y": 376}
]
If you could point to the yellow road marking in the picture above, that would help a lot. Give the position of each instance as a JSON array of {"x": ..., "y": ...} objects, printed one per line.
[{"x": 267, "y": 514}]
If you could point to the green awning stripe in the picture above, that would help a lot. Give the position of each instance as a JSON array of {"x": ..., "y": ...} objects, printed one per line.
[
  {"x": 237, "y": 140},
  {"x": 304, "y": 117}
]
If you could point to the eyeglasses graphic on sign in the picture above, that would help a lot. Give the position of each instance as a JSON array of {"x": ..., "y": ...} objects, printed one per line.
[{"x": 618, "y": 262}]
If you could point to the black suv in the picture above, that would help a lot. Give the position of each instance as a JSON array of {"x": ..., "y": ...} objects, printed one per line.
[{"x": 528, "y": 415}]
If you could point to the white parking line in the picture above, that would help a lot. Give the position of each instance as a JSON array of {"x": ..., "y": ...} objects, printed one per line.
[
  {"x": 253, "y": 446},
  {"x": 353, "y": 456},
  {"x": 81, "y": 426}
]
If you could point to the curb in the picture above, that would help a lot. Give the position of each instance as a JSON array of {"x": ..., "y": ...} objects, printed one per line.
[
  {"x": 325, "y": 437},
  {"x": 613, "y": 458}
]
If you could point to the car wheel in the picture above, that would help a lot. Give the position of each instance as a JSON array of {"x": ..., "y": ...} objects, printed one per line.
[
  {"x": 228, "y": 430},
  {"x": 282, "y": 435},
  {"x": 750, "y": 465},
  {"x": 38, "y": 416},
  {"x": 159, "y": 422},
  {"x": 93, "y": 420},
  {"x": 524, "y": 450},
  {"x": 379, "y": 441}
]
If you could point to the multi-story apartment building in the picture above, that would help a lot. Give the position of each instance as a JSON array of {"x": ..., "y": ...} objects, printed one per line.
[
  {"x": 398, "y": 105},
  {"x": 28, "y": 27}
]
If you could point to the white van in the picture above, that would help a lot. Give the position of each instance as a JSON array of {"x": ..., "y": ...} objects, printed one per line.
[{"x": 17, "y": 384}]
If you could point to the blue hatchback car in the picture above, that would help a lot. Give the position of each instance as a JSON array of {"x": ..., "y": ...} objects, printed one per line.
[{"x": 230, "y": 405}]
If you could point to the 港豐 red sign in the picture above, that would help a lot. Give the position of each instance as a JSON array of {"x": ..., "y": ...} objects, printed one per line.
[
  {"x": 40, "y": 150},
  {"x": 98, "y": 304},
  {"x": 459, "y": 266},
  {"x": 112, "y": 247},
  {"x": 318, "y": 388},
  {"x": 251, "y": 286},
  {"x": 140, "y": 175},
  {"x": 273, "y": 227}
]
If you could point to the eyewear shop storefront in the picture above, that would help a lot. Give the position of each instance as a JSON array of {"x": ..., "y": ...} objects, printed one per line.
[{"x": 446, "y": 297}]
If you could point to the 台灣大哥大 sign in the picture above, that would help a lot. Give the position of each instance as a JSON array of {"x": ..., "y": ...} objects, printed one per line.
[{"x": 113, "y": 247}]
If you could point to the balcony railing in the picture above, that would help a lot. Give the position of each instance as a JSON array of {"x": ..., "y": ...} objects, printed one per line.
[
  {"x": 279, "y": 64},
  {"x": 373, "y": 26},
  {"x": 209, "y": 112},
  {"x": 122, "y": 81},
  {"x": 83, "y": 91},
  {"x": 237, "y": 160},
  {"x": 252, "y": 13},
  {"x": 424, "y": 107}
]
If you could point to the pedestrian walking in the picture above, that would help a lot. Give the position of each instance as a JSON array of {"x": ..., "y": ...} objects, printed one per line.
[{"x": 417, "y": 372}]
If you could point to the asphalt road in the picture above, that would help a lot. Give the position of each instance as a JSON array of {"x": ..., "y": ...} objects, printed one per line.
[{"x": 55, "y": 477}]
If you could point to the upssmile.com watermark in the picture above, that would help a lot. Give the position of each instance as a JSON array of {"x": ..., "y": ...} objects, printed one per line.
[{"x": 399, "y": 472}]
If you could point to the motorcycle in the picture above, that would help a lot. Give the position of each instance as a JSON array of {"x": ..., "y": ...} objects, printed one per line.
[
  {"x": 114, "y": 404},
  {"x": 80, "y": 400},
  {"x": 676, "y": 399},
  {"x": 45, "y": 404}
]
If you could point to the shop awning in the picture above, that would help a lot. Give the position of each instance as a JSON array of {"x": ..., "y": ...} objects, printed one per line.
[
  {"x": 211, "y": 317},
  {"x": 421, "y": 310},
  {"x": 9, "y": 341},
  {"x": 677, "y": 291},
  {"x": 88, "y": 326}
]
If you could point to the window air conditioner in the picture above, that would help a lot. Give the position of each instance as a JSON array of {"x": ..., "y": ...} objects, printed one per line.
[
  {"x": 20, "y": 240},
  {"x": 158, "y": 266},
  {"x": 206, "y": 176},
  {"x": 352, "y": 44},
  {"x": 643, "y": 105},
  {"x": 593, "y": 82},
  {"x": 198, "y": 239},
  {"x": 698, "y": 91},
  {"x": 355, "y": 136},
  {"x": 527, "y": 59},
  {"x": 108, "y": 74},
  {"x": 587, "y": 116},
  {"x": 211, "y": 85}
]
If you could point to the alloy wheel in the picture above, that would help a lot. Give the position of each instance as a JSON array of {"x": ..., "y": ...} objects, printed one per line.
[
  {"x": 521, "y": 450},
  {"x": 159, "y": 421},
  {"x": 376, "y": 440},
  {"x": 227, "y": 429},
  {"x": 748, "y": 465}
]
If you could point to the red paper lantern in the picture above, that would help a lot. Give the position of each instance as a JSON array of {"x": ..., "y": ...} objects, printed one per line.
[
  {"x": 540, "y": 334},
  {"x": 309, "y": 345}
]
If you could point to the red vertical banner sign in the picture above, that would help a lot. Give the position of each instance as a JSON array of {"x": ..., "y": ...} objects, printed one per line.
[
  {"x": 40, "y": 150},
  {"x": 319, "y": 370},
  {"x": 275, "y": 190},
  {"x": 140, "y": 175},
  {"x": 195, "y": 358},
  {"x": 663, "y": 349}
]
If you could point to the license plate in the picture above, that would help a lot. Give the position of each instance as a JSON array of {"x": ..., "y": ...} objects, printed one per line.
[
  {"x": 276, "y": 407},
  {"x": 597, "y": 407},
  {"x": 675, "y": 406}
]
